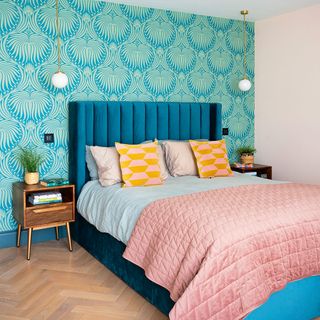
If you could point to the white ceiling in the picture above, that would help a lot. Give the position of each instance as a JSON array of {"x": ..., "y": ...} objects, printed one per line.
[{"x": 258, "y": 9}]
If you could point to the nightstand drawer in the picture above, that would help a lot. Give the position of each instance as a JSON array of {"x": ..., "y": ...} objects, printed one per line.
[{"x": 45, "y": 214}]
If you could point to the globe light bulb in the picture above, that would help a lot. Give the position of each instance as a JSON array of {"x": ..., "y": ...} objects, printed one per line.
[
  {"x": 244, "y": 85},
  {"x": 59, "y": 80}
]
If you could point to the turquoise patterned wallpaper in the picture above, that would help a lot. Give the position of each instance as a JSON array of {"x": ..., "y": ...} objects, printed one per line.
[{"x": 110, "y": 52}]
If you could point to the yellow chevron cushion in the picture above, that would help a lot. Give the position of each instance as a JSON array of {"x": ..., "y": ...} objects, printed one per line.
[
  {"x": 139, "y": 164},
  {"x": 212, "y": 158}
]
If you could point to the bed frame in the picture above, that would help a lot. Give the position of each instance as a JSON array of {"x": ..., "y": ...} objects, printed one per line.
[{"x": 104, "y": 123}]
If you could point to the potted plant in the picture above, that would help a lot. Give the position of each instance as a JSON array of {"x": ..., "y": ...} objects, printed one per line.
[
  {"x": 30, "y": 161},
  {"x": 246, "y": 154}
]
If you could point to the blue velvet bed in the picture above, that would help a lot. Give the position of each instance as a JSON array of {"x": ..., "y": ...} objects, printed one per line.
[{"x": 104, "y": 123}]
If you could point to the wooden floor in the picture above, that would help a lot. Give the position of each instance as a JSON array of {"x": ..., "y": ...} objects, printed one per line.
[{"x": 58, "y": 284}]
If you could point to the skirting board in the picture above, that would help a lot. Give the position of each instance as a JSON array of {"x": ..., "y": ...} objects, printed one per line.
[{"x": 8, "y": 239}]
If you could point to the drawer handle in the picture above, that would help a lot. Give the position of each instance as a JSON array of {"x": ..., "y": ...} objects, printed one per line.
[{"x": 49, "y": 209}]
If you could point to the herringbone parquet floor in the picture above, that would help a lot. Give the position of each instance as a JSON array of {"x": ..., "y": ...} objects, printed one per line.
[{"x": 57, "y": 284}]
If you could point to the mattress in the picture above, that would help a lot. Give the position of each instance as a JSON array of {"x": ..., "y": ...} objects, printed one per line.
[{"x": 115, "y": 210}]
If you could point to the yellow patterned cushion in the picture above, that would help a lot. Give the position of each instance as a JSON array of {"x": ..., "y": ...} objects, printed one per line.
[
  {"x": 212, "y": 158},
  {"x": 139, "y": 164}
]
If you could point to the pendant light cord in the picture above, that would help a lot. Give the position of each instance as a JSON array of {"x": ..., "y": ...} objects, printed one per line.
[
  {"x": 58, "y": 35},
  {"x": 244, "y": 46}
]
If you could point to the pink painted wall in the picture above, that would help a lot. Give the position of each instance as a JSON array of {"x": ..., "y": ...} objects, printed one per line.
[{"x": 287, "y": 87}]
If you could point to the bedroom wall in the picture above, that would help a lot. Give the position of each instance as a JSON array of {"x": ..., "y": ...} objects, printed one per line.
[
  {"x": 287, "y": 109},
  {"x": 112, "y": 52}
]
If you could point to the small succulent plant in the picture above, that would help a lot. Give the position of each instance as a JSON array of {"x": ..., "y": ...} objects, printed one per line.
[{"x": 246, "y": 150}]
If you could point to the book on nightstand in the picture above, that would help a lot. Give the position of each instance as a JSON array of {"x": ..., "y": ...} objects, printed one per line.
[
  {"x": 252, "y": 173},
  {"x": 242, "y": 166},
  {"x": 45, "y": 198},
  {"x": 54, "y": 182}
]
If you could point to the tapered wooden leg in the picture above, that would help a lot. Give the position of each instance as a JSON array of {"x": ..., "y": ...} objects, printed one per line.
[
  {"x": 18, "y": 235},
  {"x": 69, "y": 236},
  {"x": 57, "y": 233},
  {"x": 29, "y": 243}
]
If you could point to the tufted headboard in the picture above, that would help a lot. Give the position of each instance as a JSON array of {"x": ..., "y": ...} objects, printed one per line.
[{"x": 104, "y": 123}]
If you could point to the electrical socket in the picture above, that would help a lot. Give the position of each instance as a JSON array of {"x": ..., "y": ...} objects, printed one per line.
[
  {"x": 48, "y": 138},
  {"x": 225, "y": 131}
]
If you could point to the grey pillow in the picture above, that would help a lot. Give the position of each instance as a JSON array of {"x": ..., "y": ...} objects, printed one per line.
[{"x": 91, "y": 164}]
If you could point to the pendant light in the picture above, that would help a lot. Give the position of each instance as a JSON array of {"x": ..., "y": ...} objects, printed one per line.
[
  {"x": 244, "y": 84},
  {"x": 59, "y": 78}
]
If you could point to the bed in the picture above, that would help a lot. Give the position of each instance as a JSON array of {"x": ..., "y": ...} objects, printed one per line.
[{"x": 104, "y": 123}]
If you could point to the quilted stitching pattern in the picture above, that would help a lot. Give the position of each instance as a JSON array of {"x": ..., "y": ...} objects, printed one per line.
[
  {"x": 139, "y": 164},
  {"x": 212, "y": 158},
  {"x": 221, "y": 253}
]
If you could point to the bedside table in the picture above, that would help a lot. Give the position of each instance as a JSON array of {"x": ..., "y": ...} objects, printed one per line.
[
  {"x": 42, "y": 216},
  {"x": 260, "y": 169}
]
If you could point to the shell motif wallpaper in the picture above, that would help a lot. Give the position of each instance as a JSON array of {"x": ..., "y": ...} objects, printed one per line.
[{"x": 110, "y": 52}]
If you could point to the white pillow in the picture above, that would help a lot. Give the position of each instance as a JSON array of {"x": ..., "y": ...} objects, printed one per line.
[
  {"x": 179, "y": 158},
  {"x": 162, "y": 163},
  {"x": 108, "y": 164}
]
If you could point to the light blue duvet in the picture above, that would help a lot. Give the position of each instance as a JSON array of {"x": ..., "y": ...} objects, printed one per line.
[{"x": 115, "y": 210}]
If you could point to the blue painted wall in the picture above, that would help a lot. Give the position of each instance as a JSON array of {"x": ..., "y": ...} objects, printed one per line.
[{"x": 110, "y": 52}]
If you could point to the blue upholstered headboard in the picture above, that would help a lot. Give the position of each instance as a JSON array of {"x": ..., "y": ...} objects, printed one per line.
[{"x": 104, "y": 123}]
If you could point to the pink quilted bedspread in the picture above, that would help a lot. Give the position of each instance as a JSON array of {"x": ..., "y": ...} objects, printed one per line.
[{"x": 221, "y": 253}]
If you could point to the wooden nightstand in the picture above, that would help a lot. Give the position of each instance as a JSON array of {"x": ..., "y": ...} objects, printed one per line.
[
  {"x": 260, "y": 169},
  {"x": 35, "y": 217}
]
